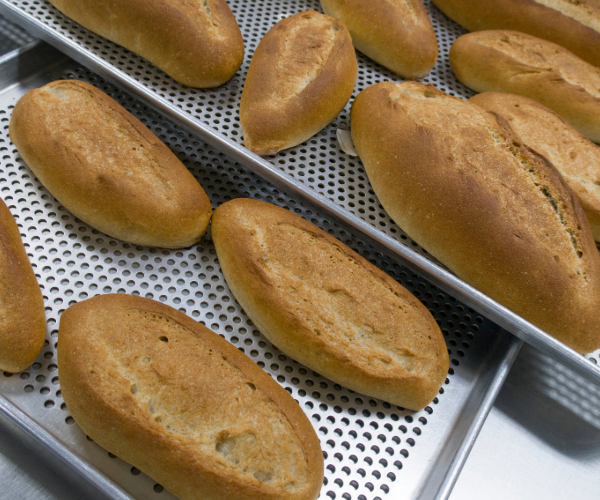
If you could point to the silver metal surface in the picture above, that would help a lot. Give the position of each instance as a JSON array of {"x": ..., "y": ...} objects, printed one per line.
[
  {"x": 316, "y": 172},
  {"x": 12, "y": 36},
  {"x": 43, "y": 443},
  {"x": 540, "y": 441},
  {"x": 372, "y": 449},
  {"x": 25, "y": 475},
  {"x": 464, "y": 450}
]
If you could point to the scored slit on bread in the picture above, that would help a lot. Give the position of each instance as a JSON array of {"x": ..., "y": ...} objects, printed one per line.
[{"x": 463, "y": 185}]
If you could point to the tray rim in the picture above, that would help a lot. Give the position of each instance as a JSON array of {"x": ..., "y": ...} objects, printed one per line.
[
  {"x": 490, "y": 375},
  {"x": 261, "y": 167}
]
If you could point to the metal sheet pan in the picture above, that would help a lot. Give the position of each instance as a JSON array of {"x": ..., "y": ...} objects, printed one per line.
[
  {"x": 372, "y": 449},
  {"x": 316, "y": 172}
]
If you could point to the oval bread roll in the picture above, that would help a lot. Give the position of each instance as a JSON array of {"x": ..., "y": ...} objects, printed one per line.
[
  {"x": 396, "y": 34},
  {"x": 106, "y": 167},
  {"x": 540, "y": 128},
  {"x": 507, "y": 61},
  {"x": 196, "y": 42},
  {"x": 462, "y": 185},
  {"x": 574, "y": 24},
  {"x": 324, "y": 305},
  {"x": 22, "y": 316},
  {"x": 301, "y": 76},
  {"x": 183, "y": 405}
]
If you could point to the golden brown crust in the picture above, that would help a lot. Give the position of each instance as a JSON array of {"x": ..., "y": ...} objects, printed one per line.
[
  {"x": 460, "y": 183},
  {"x": 106, "y": 167},
  {"x": 22, "y": 317},
  {"x": 575, "y": 157},
  {"x": 395, "y": 33},
  {"x": 183, "y": 405},
  {"x": 574, "y": 25},
  {"x": 508, "y": 61},
  {"x": 327, "y": 307},
  {"x": 196, "y": 42},
  {"x": 301, "y": 76}
]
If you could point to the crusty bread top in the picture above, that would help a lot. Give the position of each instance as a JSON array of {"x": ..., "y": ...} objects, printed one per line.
[
  {"x": 297, "y": 51},
  {"x": 106, "y": 167},
  {"x": 509, "y": 61},
  {"x": 300, "y": 77},
  {"x": 326, "y": 306},
  {"x": 573, "y": 24},
  {"x": 395, "y": 33},
  {"x": 182, "y": 404},
  {"x": 586, "y": 12},
  {"x": 461, "y": 184},
  {"x": 575, "y": 157},
  {"x": 197, "y": 42},
  {"x": 531, "y": 54},
  {"x": 22, "y": 317}
]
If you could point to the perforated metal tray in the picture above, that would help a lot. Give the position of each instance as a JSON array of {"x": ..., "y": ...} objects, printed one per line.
[
  {"x": 372, "y": 449},
  {"x": 317, "y": 172}
]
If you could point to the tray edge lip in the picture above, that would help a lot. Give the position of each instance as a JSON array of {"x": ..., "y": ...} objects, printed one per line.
[
  {"x": 45, "y": 438},
  {"x": 460, "y": 458}
]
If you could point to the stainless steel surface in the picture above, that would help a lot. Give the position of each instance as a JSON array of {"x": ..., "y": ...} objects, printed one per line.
[
  {"x": 12, "y": 36},
  {"x": 316, "y": 172},
  {"x": 541, "y": 440},
  {"x": 24, "y": 475},
  {"x": 32, "y": 445},
  {"x": 371, "y": 448},
  {"x": 475, "y": 427}
]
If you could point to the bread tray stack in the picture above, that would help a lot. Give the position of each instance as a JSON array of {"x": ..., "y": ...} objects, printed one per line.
[{"x": 316, "y": 172}]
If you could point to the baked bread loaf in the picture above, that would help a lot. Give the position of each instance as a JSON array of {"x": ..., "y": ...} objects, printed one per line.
[
  {"x": 325, "y": 306},
  {"x": 183, "y": 405},
  {"x": 301, "y": 76},
  {"x": 106, "y": 167},
  {"x": 508, "y": 61},
  {"x": 22, "y": 317},
  {"x": 464, "y": 187},
  {"x": 574, "y": 24},
  {"x": 397, "y": 35},
  {"x": 540, "y": 128},
  {"x": 196, "y": 42}
]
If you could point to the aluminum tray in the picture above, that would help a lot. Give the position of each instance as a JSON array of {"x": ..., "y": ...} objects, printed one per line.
[
  {"x": 316, "y": 172},
  {"x": 372, "y": 449}
]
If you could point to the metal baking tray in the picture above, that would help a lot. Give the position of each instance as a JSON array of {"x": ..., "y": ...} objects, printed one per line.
[
  {"x": 372, "y": 450},
  {"x": 316, "y": 172}
]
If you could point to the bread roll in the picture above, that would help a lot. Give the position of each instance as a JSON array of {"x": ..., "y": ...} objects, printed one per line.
[
  {"x": 183, "y": 405},
  {"x": 300, "y": 77},
  {"x": 106, "y": 167},
  {"x": 196, "y": 42},
  {"x": 22, "y": 317},
  {"x": 397, "y": 35},
  {"x": 574, "y": 24},
  {"x": 327, "y": 307},
  {"x": 540, "y": 128},
  {"x": 508, "y": 61},
  {"x": 464, "y": 187}
]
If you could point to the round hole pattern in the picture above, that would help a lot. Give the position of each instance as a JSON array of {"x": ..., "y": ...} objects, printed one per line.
[
  {"x": 366, "y": 442},
  {"x": 318, "y": 163}
]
